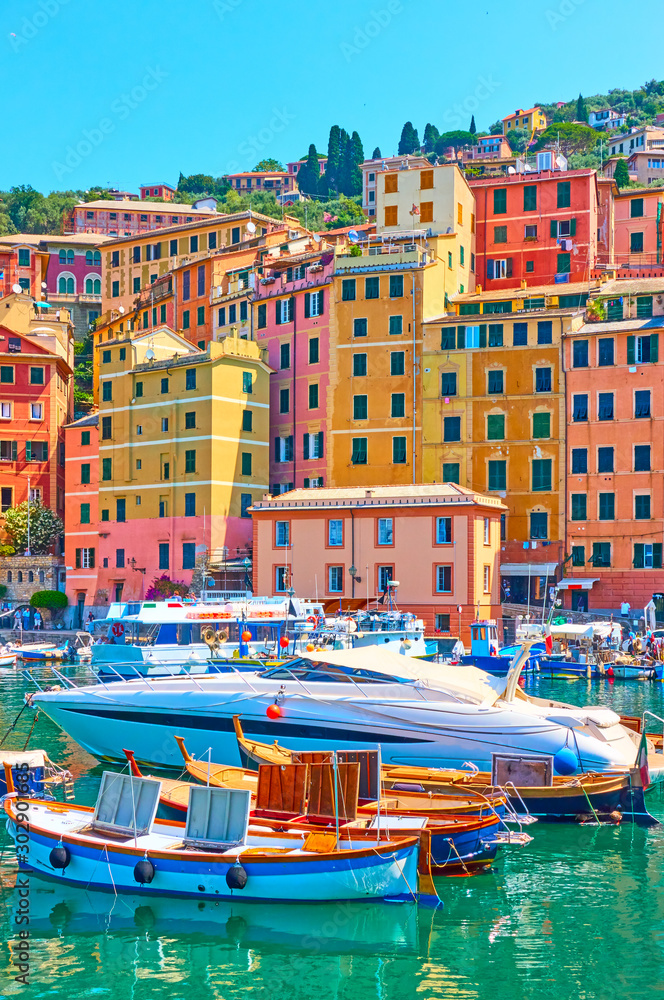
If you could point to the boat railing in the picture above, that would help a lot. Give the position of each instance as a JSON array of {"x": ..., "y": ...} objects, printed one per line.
[{"x": 653, "y": 716}]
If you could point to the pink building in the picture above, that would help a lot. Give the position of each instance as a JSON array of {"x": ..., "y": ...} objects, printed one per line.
[
  {"x": 81, "y": 516},
  {"x": 638, "y": 229},
  {"x": 292, "y": 308},
  {"x": 128, "y": 218}
]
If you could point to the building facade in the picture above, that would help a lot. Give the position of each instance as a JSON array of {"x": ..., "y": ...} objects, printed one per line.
[
  {"x": 371, "y": 170},
  {"x": 639, "y": 229},
  {"x": 533, "y": 119},
  {"x": 81, "y": 518},
  {"x": 163, "y": 191},
  {"x": 343, "y": 546},
  {"x": 129, "y": 218}
]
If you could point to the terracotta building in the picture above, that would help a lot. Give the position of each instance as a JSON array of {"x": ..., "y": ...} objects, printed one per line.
[{"x": 342, "y": 546}]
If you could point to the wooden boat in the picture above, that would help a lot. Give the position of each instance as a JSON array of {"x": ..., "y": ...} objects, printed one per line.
[
  {"x": 42, "y": 651},
  {"x": 32, "y": 773},
  {"x": 564, "y": 798},
  {"x": 7, "y": 659},
  {"x": 119, "y": 844}
]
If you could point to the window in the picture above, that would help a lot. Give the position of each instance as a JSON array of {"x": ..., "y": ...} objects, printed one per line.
[
  {"x": 283, "y": 449},
  {"x": 500, "y": 234},
  {"x": 642, "y": 458},
  {"x": 85, "y": 559},
  {"x": 396, "y": 286},
  {"x": 563, "y": 263},
  {"x": 495, "y": 383},
  {"x": 395, "y": 326},
  {"x": 397, "y": 363},
  {"x": 284, "y": 400},
  {"x": 36, "y": 376},
  {"x": 106, "y": 469},
  {"x": 282, "y": 533},
  {"x": 106, "y": 428},
  {"x": 164, "y": 386},
  {"x": 360, "y": 407},
  {"x": 451, "y": 428},
  {"x": 578, "y": 555},
  {"x": 313, "y": 396},
  {"x": 335, "y": 533},
  {"x": 636, "y": 208},
  {"x": 530, "y": 198},
  {"x": 520, "y": 335},
  {"x": 164, "y": 424},
  {"x": 539, "y": 524},
  {"x": 371, "y": 288},
  {"x": 545, "y": 331},
  {"x": 443, "y": 579},
  {"x": 348, "y": 290},
  {"x": 443, "y": 531},
  {"x": 579, "y": 506},
  {"x": 448, "y": 339},
  {"x": 359, "y": 327},
  {"x": 495, "y": 427},
  {"x": 359, "y": 364},
  {"x": 642, "y": 403},
  {"x": 235, "y": 234},
  {"x": 335, "y": 579},
  {"x": 186, "y": 320},
  {"x": 85, "y": 473},
  {"x": 497, "y": 474},
  {"x": 391, "y": 183},
  {"x": 190, "y": 460},
  {"x": 359, "y": 451},
  {"x": 564, "y": 194},
  {"x": 164, "y": 555},
  {"x": 391, "y": 214},
  {"x": 284, "y": 356},
  {"x": 501, "y": 268},
  {"x": 644, "y": 306},
  {"x": 313, "y": 351},
  {"x": 605, "y": 406},
  {"x": 495, "y": 334},
  {"x": 607, "y": 506},
  {"x": 188, "y": 555},
  {"x": 36, "y": 451},
  {"x": 312, "y": 445},
  {"x": 451, "y": 472},
  {"x": 487, "y": 579},
  {"x": 642, "y": 507},
  {"x": 283, "y": 311},
  {"x": 247, "y": 382},
  {"x": 399, "y": 456},
  {"x": 580, "y": 354},
  {"x": 648, "y": 556},
  {"x": 36, "y": 410},
  {"x": 605, "y": 351},
  {"x": 541, "y": 474},
  {"x": 398, "y": 404},
  {"x": 442, "y": 623},
  {"x": 448, "y": 384},
  {"x": 190, "y": 505},
  {"x": 601, "y": 556},
  {"x": 636, "y": 242},
  {"x": 500, "y": 201},
  {"x": 245, "y": 504},
  {"x": 7, "y": 374},
  {"x": 605, "y": 459},
  {"x": 262, "y": 316},
  {"x": 614, "y": 312},
  {"x": 541, "y": 425},
  {"x": 5, "y": 411},
  {"x": 579, "y": 407},
  {"x": 246, "y": 464},
  {"x": 280, "y": 579}
]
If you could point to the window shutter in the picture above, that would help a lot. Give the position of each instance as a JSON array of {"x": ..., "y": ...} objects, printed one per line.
[
  {"x": 654, "y": 346},
  {"x": 291, "y": 309},
  {"x": 489, "y": 269},
  {"x": 289, "y": 448},
  {"x": 508, "y": 267},
  {"x": 554, "y": 229},
  {"x": 289, "y": 274},
  {"x": 631, "y": 350},
  {"x": 307, "y": 305},
  {"x": 277, "y": 449},
  {"x": 14, "y": 451},
  {"x": 78, "y": 558},
  {"x": 305, "y": 446},
  {"x": 639, "y": 560},
  {"x": 28, "y": 451},
  {"x": 461, "y": 337},
  {"x": 320, "y": 444},
  {"x": 483, "y": 335},
  {"x": 277, "y": 312},
  {"x": 91, "y": 558},
  {"x": 321, "y": 302},
  {"x": 572, "y": 227},
  {"x": 657, "y": 555}
]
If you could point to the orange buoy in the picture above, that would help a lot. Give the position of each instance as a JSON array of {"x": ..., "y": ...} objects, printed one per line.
[{"x": 273, "y": 712}]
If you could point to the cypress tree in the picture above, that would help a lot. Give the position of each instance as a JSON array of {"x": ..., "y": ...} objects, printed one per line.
[
  {"x": 581, "y": 113},
  {"x": 342, "y": 175},
  {"x": 333, "y": 158},
  {"x": 307, "y": 178},
  {"x": 473, "y": 127},
  {"x": 377, "y": 155},
  {"x": 431, "y": 135},
  {"x": 409, "y": 142},
  {"x": 621, "y": 175},
  {"x": 355, "y": 158}
]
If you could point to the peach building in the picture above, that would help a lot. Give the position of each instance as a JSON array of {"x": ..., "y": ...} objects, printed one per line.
[
  {"x": 639, "y": 227},
  {"x": 343, "y": 546}
]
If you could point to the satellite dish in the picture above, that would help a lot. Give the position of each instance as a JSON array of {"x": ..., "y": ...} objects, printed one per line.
[
  {"x": 511, "y": 170},
  {"x": 316, "y": 238},
  {"x": 353, "y": 236},
  {"x": 251, "y": 227},
  {"x": 17, "y": 289},
  {"x": 44, "y": 285},
  {"x": 121, "y": 310},
  {"x": 150, "y": 355}
]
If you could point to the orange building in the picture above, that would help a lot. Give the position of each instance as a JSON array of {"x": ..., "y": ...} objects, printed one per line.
[
  {"x": 615, "y": 448},
  {"x": 342, "y": 546}
]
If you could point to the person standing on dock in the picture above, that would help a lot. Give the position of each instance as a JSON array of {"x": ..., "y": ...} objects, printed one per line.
[{"x": 625, "y": 609}]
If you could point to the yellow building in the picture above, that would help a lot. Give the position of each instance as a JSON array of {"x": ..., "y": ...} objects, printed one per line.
[
  {"x": 493, "y": 415},
  {"x": 532, "y": 119},
  {"x": 183, "y": 452}
]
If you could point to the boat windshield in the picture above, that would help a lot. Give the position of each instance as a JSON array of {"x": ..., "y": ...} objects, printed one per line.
[{"x": 311, "y": 670}]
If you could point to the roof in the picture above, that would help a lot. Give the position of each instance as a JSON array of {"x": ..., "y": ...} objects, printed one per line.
[
  {"x": 259, "y": 173},
  {"x": 87, "y": 238},
  {"x": 214, "y": 218},
  {"x": 520, "y": 111},
  {"x": 346, "y": 496},
  {"x": 623, "y": 325},
  {"x": 632, "y": 286},
  {"x": 159, "y": 184},
  {"x": 168, "y": 207},
  {"x": 89, "y": 420},
  {"x": 510, "y": 294},
  {"x": 361, "y": 227}
]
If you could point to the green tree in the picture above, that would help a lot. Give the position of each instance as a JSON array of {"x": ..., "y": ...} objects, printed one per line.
[
  {"x": 309, "y": 173},
  {"x": 45, "y": 527},
  {"x": 518, "y": 139},
  {"x": 268, "y": 165},
  {"x": 431, "y": 136},
  {"x": 570, "y": 137},
  {"x": 496, "y": 128},
  {"x": 456, "y": 139},
  {"x": 331, "y": 182},
  {"x": 376, "y": 155},
  {"x": 342, "y": 170},
  {"x": 581, "y": 113},
  {"x": 409, "y": 141},
  {"x": 621, "y": 175},
  {"x": 473, "y": 127},
  {"x": 355, "y": 158}
]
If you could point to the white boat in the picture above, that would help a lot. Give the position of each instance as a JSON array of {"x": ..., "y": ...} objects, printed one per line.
[{"x": 421, "y": 713}]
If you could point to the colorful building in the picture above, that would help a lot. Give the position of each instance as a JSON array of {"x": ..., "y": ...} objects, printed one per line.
[
  {"x": 183, "y": 454},
  {"x": 372, "y": 169},
  {"x": 36, "y": 368},
  {"x": 22, "y": 263},
  {"x": 538, "y": 228},
  {"x": 606, "y": 119},
  {"x": 533, "y": 119},
  {"x": 488, "y": 147},
  {"x": 647, "y": 138},
  {"x": 639, "y": 229},
  {"x": 344, "y": 546},
  {"x": 615, "y": 448},
  {"x": 163, "y": 191},
  {"x": 493, "y": 417},
  {"x": 275, "y": 181},
  {"x": 81, "y": 517},
  {"x": 294, "y": 167},
  {"x": 129, "y": 218}
]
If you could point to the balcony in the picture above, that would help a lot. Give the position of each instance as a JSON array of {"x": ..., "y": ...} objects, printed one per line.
[{"x": 387, "y": 256}]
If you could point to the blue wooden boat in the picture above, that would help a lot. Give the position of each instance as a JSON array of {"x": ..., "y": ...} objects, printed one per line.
[{"x": 43, "y": 651}]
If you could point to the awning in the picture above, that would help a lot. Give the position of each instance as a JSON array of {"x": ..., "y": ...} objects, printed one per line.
[
  {"x": 528, "y": 569},
  {"x": 577, "y": 584}
]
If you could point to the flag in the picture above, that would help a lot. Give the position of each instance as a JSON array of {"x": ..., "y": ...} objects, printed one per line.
[
  {"x": 642, "y": 761},
  {"x": 415, "y": 210},
  {"x": 548, "y": 642}
]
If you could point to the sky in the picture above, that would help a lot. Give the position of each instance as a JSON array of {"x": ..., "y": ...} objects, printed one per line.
[{"x": 132, "y": 93}]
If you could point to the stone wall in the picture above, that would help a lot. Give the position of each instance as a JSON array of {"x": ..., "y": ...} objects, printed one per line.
[{"x": 25, "y": 575}]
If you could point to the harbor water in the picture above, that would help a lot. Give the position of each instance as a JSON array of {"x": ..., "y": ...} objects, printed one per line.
[{"x": 579, "y": 913}]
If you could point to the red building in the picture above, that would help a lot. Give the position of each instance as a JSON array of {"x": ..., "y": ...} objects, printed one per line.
[
  {"x": 22, "y": 264},
  {"x": 163, "y": 191},
  {"x": 537, "y": 228}
]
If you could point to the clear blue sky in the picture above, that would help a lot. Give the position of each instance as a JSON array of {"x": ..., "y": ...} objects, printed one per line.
[{"x": 128, "y": 93}]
